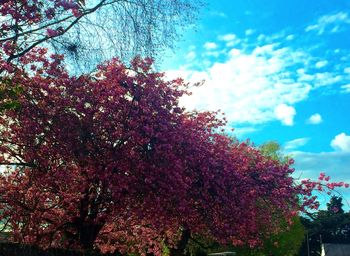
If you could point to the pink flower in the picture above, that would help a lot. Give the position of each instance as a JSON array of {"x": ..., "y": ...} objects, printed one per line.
[
  {"x": 68, "y": 4},
  {"x": 76, "y": 12},
  {"x": 322, "y": 175},
  {"x": 335, "y": 209},
  {"x": 50, "y": 13},
  {"x": 51, "y": 32}
]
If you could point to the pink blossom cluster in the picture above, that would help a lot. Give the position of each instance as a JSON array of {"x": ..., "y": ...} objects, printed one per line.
[
  {"x": 67, "y": 4},
  {"x": 323, "y": 184},
  {"x": 21, "y": 20},
  {"x": 51, "y": 32}
]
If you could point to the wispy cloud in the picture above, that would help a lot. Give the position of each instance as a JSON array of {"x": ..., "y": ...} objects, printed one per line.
[
  {"x": 249, "y": 32},
  {"x": 218, "y": 14},
  {"x": 320, "y": 79},
  {"x": 321, "y": 64},
  {"x": 296, "y": 143},
  {"x": 330, "y": 23},
  {"x": 251, "y": 87},
  {"x": 346, "y": 88},
  {"x": 315, "y": 119},
  {"x": 230, "y": 39},
  {"x": 243, "y": 131},
  {"x": 290, "y": 37},
  {"x": 335, "y": 163},
  {"x": 261, "y": 37},
  {"x": 210, "y": 45},
  {"x": 275, "y": 37},
  {"x": 259, "y": 81},
  {"x": 227, "y": 37},
  {"x": 190, "y": 56}
]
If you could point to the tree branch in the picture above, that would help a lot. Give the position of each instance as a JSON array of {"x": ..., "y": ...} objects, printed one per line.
[
  {"x": 18, "y": 164},
  {"x": 14, "y": 56}
]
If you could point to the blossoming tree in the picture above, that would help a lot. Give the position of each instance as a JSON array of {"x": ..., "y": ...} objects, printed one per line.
[{"x": 110, "y": 161}]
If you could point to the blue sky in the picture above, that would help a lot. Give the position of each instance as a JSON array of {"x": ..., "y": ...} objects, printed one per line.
[{"x": 280, "y": 70}]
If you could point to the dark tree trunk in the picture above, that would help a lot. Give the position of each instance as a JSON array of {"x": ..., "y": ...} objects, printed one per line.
[
  {"x": 88, "y": 234},
  {"x": 182, "y": 243}
]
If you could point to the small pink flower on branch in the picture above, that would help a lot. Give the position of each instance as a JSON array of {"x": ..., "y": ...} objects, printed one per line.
[
  {"x": 76, "y": 12},
  {"x": 52, "y": 32}
]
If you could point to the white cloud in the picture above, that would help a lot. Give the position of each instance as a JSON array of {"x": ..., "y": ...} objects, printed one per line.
[
  {"x": 230, "y": 39},
  {"x": 192, "y": 47},
  {"x": 227, "y": 37},
  {"x": 273, "y": 38},
  {"x": 321, "y": 64},
  {"x": 285, "y": 114},
  {"x": 330, "y": 23},
  {"x": 346, "y": 88},
  {"x": 326, "y": 78},
  {"x": 218, "y": 14},
  {"x": 210, "y": 46},
  {"x": 347, "y": 70},
  {"x": 250, "y": 87},
  {"x": 290, "y": 37},
  {"x": 240, "y": 132},
  {"x": 296, "y": 143},
  {"x": 190, "y": 56},
  {"x": 302, "y": 76},
  {"x": 232, "y": 43},
  {"x": 335, "y": 29},
  {"x": 341, "y": 142},
  {"x": 234, "y": 52},
  {"x": 212, "y": 53},
  {"x": 255, "y": 85},
  {"x": 261, "y": 37},
  {"x": 249, "y": 32},
  {"x": 315, "y": 119}
]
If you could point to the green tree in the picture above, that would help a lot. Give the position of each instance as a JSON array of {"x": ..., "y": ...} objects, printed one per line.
[
  {"x": 289, "y": 239},
  {"x": 284, "y": 243},
  {"x": 273, "y": 149},
  {"x": 287, "y": 242}
]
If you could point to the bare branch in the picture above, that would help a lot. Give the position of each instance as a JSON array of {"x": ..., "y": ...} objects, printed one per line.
[{"x": 122, "y": 28}]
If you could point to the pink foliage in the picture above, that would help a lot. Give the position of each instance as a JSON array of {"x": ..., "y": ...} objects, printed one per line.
[
  {"x": 25, "y": 20},
  {"x": 51, "y": 32}
]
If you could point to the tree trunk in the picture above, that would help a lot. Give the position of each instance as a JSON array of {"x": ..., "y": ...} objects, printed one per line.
[{"x": 179, "y": 250}]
